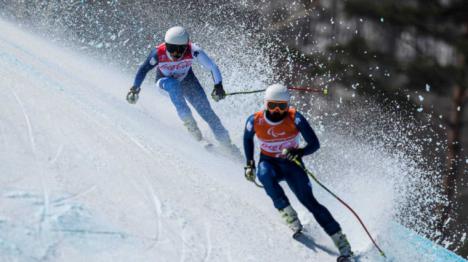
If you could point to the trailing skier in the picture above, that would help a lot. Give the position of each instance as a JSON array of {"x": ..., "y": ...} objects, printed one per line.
[{"x": 278, "y": 127}]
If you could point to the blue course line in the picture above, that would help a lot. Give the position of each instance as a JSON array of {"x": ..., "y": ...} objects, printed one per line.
[{"x": 426, "y": 247}]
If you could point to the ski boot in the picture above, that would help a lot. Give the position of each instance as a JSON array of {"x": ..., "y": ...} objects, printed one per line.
[
  {"x": 342, "y": 243},
  {"x": 289, "y": 215},
  {"x": 235, "y": 151},
  {"x": 232, "y": 150},
  {"x": 193, "y": 129}
]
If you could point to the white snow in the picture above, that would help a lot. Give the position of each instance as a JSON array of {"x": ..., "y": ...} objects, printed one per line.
[
  {"x": 88, "y": 177},
  {"x": 428, "y": 88}
]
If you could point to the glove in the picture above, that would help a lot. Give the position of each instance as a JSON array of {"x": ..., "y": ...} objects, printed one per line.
[
  {"x": 249, "y": 171},
  {"x": 132, "y": 95},
  {"x": 218, "y": 92},
  {"x": 293, "y": 154}
]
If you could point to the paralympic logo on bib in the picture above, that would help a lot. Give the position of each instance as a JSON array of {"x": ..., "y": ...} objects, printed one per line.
[{"x": 271, "y": 132}]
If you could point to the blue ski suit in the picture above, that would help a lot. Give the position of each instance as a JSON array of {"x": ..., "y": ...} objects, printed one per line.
[
  {"x": 272, "y": 168},
  {"x": 178, "y": 79}
]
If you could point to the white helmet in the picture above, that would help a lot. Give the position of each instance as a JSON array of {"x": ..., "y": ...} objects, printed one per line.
[
  {"x": 176, "y": 35},
  {"x": 277, "y": 92}
]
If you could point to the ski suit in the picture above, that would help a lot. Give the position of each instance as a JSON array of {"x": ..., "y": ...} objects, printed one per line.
[
  {"x": 178, "y": 79},
  {"x": 273, "y": 138}
]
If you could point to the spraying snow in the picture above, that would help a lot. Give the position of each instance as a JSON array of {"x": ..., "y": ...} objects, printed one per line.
[{"x": 85, "y": 176}]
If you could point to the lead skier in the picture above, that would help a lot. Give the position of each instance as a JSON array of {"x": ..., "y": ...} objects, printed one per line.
[
  {"x": 278, "y": 127},
  {"x": 173, "y": 60}
]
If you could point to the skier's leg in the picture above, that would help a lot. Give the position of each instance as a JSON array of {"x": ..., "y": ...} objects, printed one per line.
[
  {"x": 195, "y": 94},
  {"x": 300, "y": 184},
  {"x": 269, "y": 177},
  {"x": 174, "y": 88}
]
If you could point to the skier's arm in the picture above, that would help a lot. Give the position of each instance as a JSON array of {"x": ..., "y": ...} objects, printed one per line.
[
  {"x": 150, "y": 63},
  {"x": 249, "y": 134},
  {"x": 307, "y": 133},
  {"x": 206, "y": 62}
]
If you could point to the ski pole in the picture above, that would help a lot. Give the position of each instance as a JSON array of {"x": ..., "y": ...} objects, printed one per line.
[
  {"x": 309, "y": 89},
  {"x": 341, "y": 201},
  {"x": 245, "y": 92},
  {"x": 304, "y": 89},
  {"x": 257, "y": 184},
  {"x": 255, "y": 181}
]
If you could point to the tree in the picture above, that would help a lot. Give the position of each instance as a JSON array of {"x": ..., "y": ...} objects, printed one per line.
[{"x": 410, "y": 45}]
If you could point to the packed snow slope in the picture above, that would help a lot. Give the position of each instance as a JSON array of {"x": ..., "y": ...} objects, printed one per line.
[{"x": 87, "y": 177}]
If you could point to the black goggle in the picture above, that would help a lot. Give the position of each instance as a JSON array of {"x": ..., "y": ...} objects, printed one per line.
[
  {"x": 281, "y": 105},
  {"x": 176, "y": 48}
]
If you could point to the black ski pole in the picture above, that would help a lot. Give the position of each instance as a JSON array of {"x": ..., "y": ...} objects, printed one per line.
[{"x": 245, "y": 92}]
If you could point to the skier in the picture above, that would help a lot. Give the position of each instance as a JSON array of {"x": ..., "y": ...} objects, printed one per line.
[
  {"x": 277, "y": 128},
  {"x": 173, "y": 60}
]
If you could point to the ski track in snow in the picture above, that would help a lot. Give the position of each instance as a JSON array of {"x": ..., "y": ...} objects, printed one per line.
[
  {"x": 45, "y": 205},
  {"x": 59, "y": 151},
  {"x": 209, "y": 246},
  {"x": 156, "y": 202},
  {"x": 107, "y": 181},
  {"x": 28, "y": 122}
]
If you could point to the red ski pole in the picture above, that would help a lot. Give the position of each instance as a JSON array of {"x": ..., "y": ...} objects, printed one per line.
[
  {"x": 342, "y": 202},
  {"x": 295, "y": 88}
]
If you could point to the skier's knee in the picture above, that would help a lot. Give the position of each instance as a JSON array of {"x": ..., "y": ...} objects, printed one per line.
[
  {"x": 263, "y": 174},
  {"x": 168, "y": 83}
]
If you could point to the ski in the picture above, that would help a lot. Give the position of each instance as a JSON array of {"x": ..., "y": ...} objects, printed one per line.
[
  {"x": 345, "y": 259},
  {"x": 306, "y": 239},
  {"x": 207, "y": 144},
  {"x": 297, "y": 234}
]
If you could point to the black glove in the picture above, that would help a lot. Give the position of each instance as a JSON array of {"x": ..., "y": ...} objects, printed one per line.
[
  {"x": 132, "y": 95},
  {"x": 292, "y": 154},
  {"x": 218, "y": 92},
  {"x": 249, "y": 171}
]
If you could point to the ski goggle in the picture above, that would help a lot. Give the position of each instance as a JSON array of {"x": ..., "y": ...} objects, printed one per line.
[
  {"x": 272, "y": 105},
  {"x": 176, "y": 48}
]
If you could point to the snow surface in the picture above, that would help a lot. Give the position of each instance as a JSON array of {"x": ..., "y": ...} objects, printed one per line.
[{"x": 87, "y": 177}]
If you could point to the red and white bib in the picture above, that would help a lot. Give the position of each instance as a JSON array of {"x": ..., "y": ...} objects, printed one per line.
[
  {"x": 177, "y": 69},
  {"x": 274, "y": 137}
]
